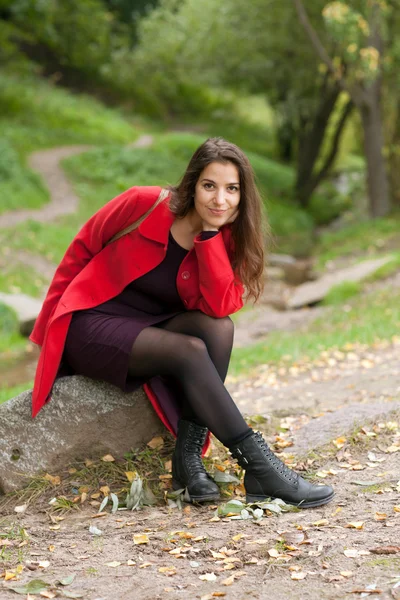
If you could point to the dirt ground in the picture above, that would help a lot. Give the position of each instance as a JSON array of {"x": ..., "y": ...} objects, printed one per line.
[{"x": 324, "y": 556}]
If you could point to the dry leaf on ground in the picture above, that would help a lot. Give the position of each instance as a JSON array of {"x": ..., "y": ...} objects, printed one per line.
[
  {"x": 140, "y": 538},
  {"x": 156, "y": 442},
  {"x": 108, "y": 458}
]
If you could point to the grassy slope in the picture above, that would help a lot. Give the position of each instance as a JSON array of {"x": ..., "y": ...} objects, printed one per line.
[{"x": 34, "y": 115}]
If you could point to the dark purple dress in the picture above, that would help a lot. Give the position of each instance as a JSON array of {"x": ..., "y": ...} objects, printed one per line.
[{"x": 100, "y": 339}]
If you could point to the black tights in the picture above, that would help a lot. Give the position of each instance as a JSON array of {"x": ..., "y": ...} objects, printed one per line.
[{"x": 193, "y": 350}]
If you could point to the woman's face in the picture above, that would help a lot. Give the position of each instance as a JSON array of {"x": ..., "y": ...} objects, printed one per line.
[{"x": 217, "y": 193}]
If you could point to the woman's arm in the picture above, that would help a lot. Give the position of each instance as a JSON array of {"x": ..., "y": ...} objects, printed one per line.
[
  {"x": 101, "y": 227},
  {"x": 221, "y": 290}
]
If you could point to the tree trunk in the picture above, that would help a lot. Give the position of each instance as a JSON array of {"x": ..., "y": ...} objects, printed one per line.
[
  {"x": 310, "y": 144},
  {"x": 394, "y": 154},
  {"x": 377, "y": 179}
]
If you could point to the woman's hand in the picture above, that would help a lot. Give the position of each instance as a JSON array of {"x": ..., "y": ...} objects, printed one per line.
[{"x": 209, "y": 227}]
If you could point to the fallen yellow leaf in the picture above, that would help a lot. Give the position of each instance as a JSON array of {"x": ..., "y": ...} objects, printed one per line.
[
  {"x": 156, "y": 442},
  {"x": 346, "y": 573},
  {"x": 380, "y": 516},
  {"x": 113, "y": 564},
  {"x": 321, "y": 523},
  {"x": 105, "y": 490},
  {"x": 167, "y": 570},
  {"x": 140, "y": 538},
  {"x": 339, "y": 442},
  {"x": 229, "y": 580},
  {"x": 8, "y": 575},
  {"x": 51, "y": 548},
  {"x": 108, "y": 458},
  {"x": 355, "y": 525},
  {"x": 396, "y": 508}
]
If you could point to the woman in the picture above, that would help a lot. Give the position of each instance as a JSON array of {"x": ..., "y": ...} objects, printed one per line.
[{"x": 152, "y": 306}]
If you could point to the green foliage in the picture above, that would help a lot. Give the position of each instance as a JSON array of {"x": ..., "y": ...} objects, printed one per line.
[
  {"x": 342, "y": 292},
  {"x": 34, "y": 114},
  {"x": 327, "y": 204}
]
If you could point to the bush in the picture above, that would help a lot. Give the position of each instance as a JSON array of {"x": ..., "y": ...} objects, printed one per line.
[{"x": 327, "y": 203}]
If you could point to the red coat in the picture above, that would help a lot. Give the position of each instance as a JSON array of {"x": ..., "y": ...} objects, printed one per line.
[{"x": 91, "y": 273}]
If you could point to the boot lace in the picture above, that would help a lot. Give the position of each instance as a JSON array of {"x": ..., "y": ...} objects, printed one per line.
[
  {"x": 276, "y": 463},
  {"x": 194, "y": 443}
]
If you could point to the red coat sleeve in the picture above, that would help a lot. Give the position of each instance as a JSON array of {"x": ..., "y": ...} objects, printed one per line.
[
  {"x": 221, "y": 289},
  {"x": 101, "y": 227}
]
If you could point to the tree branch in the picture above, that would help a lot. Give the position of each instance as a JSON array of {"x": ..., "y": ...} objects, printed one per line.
[{"x": 335, "y": 143}]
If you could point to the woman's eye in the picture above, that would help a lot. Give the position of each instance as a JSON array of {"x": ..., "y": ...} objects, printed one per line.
[
  {"x": 208, "y": 186},
  {"x": 233, "y": 188}
]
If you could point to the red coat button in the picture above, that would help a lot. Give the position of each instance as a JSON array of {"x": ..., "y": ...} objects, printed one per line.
[{"x": 185, "y": 275}]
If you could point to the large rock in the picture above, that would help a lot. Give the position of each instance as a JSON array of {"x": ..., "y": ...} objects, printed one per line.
[{"x": 85, "y": 418}]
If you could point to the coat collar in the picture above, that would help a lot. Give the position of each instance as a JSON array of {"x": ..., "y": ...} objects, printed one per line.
[{"x": 157, "y": 225}]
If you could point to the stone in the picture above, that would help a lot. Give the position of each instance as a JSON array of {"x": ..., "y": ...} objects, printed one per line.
[
  {"x": 342, "y": 422},
  {"x": 84, "y": 419},
  {"x": 26, "y": 309},
  {"x": 314, "y": 291},
  {"x": 294, "y": 271}
]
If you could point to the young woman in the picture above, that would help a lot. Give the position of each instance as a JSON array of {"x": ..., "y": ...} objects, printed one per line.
[{"x": 150, "y": 307}]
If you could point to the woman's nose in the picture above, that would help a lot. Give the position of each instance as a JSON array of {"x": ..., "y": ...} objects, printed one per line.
[{"x": 220, "y": 197}]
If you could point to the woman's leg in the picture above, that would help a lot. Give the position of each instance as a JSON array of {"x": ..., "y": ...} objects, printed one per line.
[
  {"x": 186, "y": 359},
  {"x": 217, "y": 334}
]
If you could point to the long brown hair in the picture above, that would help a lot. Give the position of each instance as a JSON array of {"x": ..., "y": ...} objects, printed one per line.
[{"x": 249, "y": 228}]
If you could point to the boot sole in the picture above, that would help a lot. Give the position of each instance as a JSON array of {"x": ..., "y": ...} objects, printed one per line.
[
  {"x": 250, "y": 499},
  {"x": 195, "y": 499}
]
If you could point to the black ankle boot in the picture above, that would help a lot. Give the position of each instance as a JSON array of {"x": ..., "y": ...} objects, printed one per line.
[
  {"x": 268, "y": 477},
  {"x": 187, "y": 467}
]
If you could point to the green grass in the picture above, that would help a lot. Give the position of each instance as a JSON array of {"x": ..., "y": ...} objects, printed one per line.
[
  {"x": 35, "y": 115},
  {"x": 371, "y": 318},
  {"x": 6, "y": 393},
  {"x": 16, "y": 279},
  {"x": 341, "y": 293},
  {"x": 367, "y": 237},
  {"x": 11, "y": 342}
]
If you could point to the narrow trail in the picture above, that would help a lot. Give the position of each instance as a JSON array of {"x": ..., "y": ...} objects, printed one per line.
[{"x": 63, "y": 200}]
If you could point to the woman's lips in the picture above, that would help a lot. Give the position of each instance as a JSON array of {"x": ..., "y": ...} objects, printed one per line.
[{"x": 216, "y": 212}]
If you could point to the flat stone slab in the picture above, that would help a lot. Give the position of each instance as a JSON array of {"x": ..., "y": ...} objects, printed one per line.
[
  {"x": 26, "y": 309},
  {"x": 314, "y": 291},
  {"x": 328, "y": 427},
  {"x": 84, "y": 419}
]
